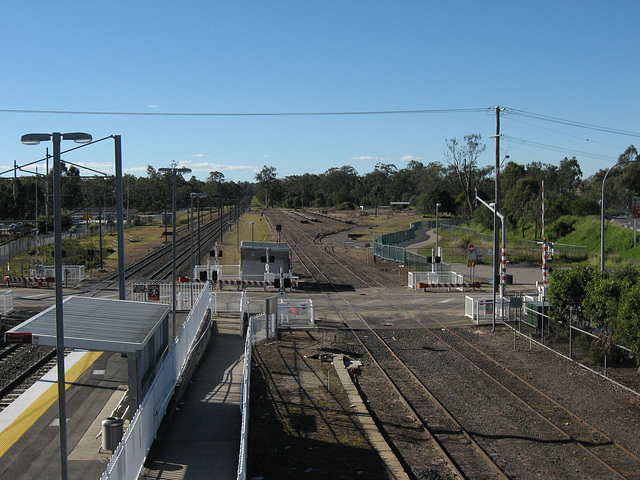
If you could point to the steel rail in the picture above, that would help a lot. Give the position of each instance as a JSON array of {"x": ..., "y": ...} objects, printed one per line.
[
  {"x": 587, "y": 447},
  {"x": 25, "y": 374},
  {"x": 434, "y": 436}
]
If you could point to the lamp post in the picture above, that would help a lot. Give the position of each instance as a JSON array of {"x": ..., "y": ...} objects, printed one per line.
[
  {"x": 491, "y": 206},
  {"x": 198, "y": 211},
  {"x": 252, "y": 224},
  {"x": 436, "y": 255},
  {"x": 56, "y": 137},
  {"x": 198, "y": 196},
  {"x": 221, "y": 218},
  {"x": 174, "y": 169},
  {"x": 602, "y": 211},
  {"x": 100, "y": 231}
]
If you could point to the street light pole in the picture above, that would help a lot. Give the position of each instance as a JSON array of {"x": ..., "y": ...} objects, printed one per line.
[
  {"x": 198, "y": 196},
  {"x": 503, "y": 270},
  {"x": 191, "y": 235},
  {"x": 56, "y": 137},
  {"x": 174, "y": 169},
  {"x": 198, "y": 213},
  {"x": 221, "y": 219},
  {"x": 252, "y": 224},
  {"x": 120, "y": 216},
  {"x": 100, "y": 230},
  {"x": 436, "y": 255},
  {"x": 57, "y": 231}
]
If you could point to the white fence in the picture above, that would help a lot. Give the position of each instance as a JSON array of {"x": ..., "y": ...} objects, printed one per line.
[
  {"x": 244, "y": 406},
  {"x": 229, "y": 302},
  {"x": 220, "y": 272},
  {"x": 186, "y": 293},
  {"x": 128, "y": 459},
  {"x": 7, "y": 302},
  {"x": 71, "y": 274},
  {"x": 260, "y": 328},
  {"x": 414, "y": 278},
  {"x": 480, "y": 308},
  {"x": 296, "y": 313}
]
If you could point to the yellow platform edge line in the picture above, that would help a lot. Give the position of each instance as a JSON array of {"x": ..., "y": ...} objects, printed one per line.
[{"x": 20, "y": 425}]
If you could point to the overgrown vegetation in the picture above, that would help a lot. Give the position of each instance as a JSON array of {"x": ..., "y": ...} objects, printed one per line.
[{"x": 608, "y": 302}]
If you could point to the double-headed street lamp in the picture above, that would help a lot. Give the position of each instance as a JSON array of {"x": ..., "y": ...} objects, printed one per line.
[
  {"x": 198, "y": 196},
  {"x": 56, "y": 137},
  {"x": 174, "y": 169}
]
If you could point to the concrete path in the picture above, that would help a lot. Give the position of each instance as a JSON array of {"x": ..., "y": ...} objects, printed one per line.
[{"x": 203, "y": 437}]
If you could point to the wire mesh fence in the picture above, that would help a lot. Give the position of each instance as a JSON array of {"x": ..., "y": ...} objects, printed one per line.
[{"x": 594, "y": 350}]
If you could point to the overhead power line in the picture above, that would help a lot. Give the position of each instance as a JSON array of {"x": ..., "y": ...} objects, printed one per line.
[
  {"x": 559, "y": 149},
  {"x": 249, "y": 114},
  {"x": 489, "y": 110},
  {"x": 565, "y": 134},
  {"x": 573, "y": 123}
]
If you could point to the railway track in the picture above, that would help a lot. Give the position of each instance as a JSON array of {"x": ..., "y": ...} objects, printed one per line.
[
  {"x": 571, "y": 427},
  {"x": 157, "y": 266},
  {"x": 43, "y": 360},
  {"x": 472, "y": 453},
  {"x": 465, "y": 456},
  {"x": 21, "y": 365}
]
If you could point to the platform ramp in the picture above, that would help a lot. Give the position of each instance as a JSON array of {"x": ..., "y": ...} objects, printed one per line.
[{"x": 229, "y": 311}]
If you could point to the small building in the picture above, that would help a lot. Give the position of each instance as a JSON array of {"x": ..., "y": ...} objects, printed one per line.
[
  {"x": 138, "y": 330},
  {"x": 260, "y": 258}
]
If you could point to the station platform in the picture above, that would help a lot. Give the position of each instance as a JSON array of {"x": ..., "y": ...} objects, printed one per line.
[
  {"x": 202, "y": 436},
  {"x": 29, "y": 427}
]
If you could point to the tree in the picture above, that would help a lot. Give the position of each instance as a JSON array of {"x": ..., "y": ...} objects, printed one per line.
[
  {"x": 628, "y": 319},
  {"x": 339, "y": 185},
  {"x": 463, "y": 157},
  {"x": 213, "y": 185},
  {"x": 521, "y": 203},
  {"x": 601, "y": 300},
  {"x": 631, "y": 173},
  {"x": 567, "y": 290},
  {"x": 569, "y": 177},
  {"x": 72, "y": 195},
  {"x": 266, "y": 181}
]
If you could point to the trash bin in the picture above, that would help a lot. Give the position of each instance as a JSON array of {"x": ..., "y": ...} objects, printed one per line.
[{"x": 112, "y": 428}]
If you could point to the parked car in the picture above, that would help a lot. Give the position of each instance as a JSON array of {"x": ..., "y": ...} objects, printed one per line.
[{"x": 15, "y": 227}]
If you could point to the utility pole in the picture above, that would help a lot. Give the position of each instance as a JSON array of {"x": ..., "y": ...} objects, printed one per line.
[{"x": 496, "y": 258}]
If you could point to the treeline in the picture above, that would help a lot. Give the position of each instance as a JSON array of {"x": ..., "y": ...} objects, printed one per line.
[
  {"x": 454, "y": 182},
  {"x": 24, "y": 197}
]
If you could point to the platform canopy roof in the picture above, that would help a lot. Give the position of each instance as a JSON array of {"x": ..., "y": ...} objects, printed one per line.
[{"x": 97, "y": 324}]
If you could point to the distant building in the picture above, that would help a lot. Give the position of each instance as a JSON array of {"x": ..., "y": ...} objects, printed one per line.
[{"x": 258, "y": 258}]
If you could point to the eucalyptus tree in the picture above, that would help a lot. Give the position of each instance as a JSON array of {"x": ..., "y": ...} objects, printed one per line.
[
  {"x": 434, "y": 185},
  {"x": 463, "y": 158},
  {"x": 266, "y": 188},
  {"x": 339, "y": 185}
]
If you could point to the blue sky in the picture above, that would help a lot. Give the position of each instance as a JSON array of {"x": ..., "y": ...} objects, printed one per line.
[{"x": 574, "y": 60}]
